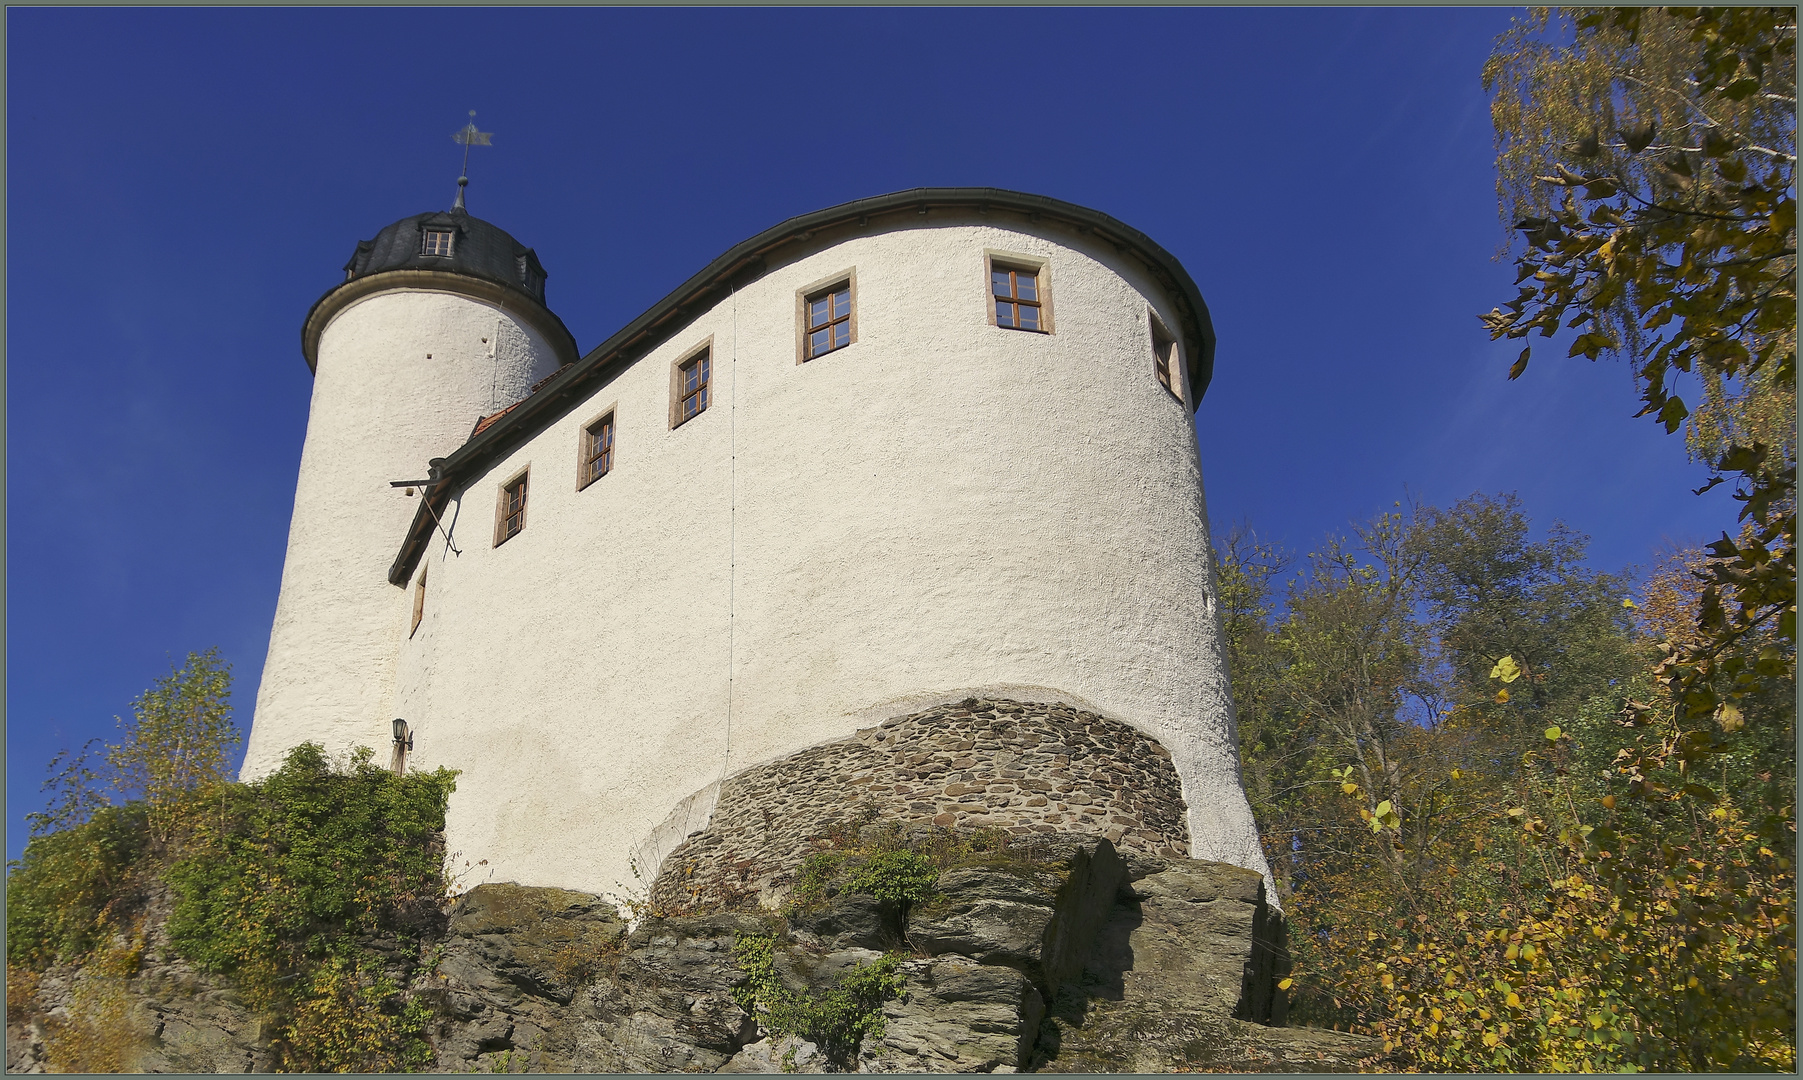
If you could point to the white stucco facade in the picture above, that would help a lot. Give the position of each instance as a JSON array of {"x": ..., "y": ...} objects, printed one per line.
[
  {"x": 944, "y": 508},
  {"x": 402, "y": 376}
]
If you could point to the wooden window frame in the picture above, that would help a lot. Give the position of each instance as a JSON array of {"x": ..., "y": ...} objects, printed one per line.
[
  {"x": 425, "y": 242},
  {"x": 419, "y": 600},
  {"x": 1166, "y": 357},
  {"x": 844, "y": 281},
  {"x": 1018, "y": 263},
  {"x": 702, "y": 352},
  {"x": 523, "y": 479},
  {"x": 585, "y": 446}
]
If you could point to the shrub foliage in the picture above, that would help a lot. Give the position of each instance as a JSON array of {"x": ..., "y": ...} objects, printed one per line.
[
  {"x": 836, "y": 1020},
  {"x": 286, "y": 886}
]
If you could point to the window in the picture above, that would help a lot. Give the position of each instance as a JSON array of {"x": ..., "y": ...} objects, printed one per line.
[
  {"x": 419, "y": 601},
  {"x": 1164, "y": 359},
  {"x": 691, "y": 386},
  {"x": 1017, "y": 302},
  {"x": 510, "y": 516},
  {"x": 828, "y": 321},
  {"x": 436, "y": 242},
  {"x": 597, "y": 451},
  {"x": 531, "y": 275}
]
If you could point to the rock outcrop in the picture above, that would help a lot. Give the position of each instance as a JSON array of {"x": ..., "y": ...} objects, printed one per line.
[
  {"x": 1068, "y": 956},
  {"x": 160, "y": 1016}
]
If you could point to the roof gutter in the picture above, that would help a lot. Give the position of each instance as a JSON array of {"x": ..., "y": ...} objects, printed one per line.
[{"x": 745, "y": 262}]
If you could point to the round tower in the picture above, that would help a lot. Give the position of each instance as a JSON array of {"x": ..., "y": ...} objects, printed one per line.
[{"x": 439, "y": 322}]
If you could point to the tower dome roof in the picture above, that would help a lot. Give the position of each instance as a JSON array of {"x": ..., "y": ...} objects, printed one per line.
[
  {"x": 453, "y": 241},
  {"x": 446, "y": 249}
]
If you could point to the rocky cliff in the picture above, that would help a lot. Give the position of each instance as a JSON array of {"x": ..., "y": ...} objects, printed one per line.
[
  {"x": 1068, "y": 956},
  {"x": 990, "y": 886}
]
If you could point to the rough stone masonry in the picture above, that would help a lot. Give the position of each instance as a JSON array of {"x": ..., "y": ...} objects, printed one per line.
[{"x": 1024, "y": 768}]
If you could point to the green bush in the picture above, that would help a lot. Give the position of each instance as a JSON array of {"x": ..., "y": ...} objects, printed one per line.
[
  {"x": 309, "y": 859},
  {"x": 70, "y": 886},
  {"x": 351, "y": 1017},
  {"x": 812, "y": 880},
  {"x": 836, "y": 1020},
  {"x": 280, "y": 883},
  {"x": 903, "y": 878}
]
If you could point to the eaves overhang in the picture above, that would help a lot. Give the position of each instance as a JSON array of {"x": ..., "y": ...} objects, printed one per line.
[
  {"x": 508, "y": 297},
  {"x": 746, "y": 262}
]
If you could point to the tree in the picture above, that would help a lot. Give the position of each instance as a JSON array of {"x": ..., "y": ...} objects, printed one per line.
[
  {"x": 179, "y": 740},
  {"x": 1491, "y": 593},
  {"x": 1647, "y": 164},
  {"x": 75, "y": 791},
  {"x": 1668, "y": 140},
  {"x": 1650, "y": 164},
  {"x": 1435, "y": 754}
]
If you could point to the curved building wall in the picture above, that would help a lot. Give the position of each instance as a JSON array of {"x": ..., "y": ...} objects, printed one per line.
[
  {"x": 402, "y": 377},
  {"x": 944, "y": 509}
]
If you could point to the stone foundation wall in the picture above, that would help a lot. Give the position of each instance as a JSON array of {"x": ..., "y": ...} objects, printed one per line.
[{"x": 1024, "y": 768}]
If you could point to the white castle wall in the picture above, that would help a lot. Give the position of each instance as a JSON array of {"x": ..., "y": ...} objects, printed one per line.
[
  {"x": 944, "y": 509},
  {"x": 402, "y": 377}
]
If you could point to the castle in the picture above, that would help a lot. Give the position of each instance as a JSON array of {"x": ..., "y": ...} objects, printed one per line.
[{"x": 880, "y": 459}]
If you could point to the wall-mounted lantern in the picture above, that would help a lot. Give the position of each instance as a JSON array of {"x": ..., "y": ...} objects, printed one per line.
[{"x": 403, "y": 742}]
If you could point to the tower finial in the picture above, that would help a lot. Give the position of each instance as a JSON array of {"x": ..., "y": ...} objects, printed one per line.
[{"x": 469, "y": 137}]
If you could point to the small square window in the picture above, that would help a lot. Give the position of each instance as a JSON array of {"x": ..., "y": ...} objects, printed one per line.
[
  {"x": 828, "y": 321},
  {"x": 1017, "y": 298},
  {"x": 436, "y": 242},
  {"x": 1164, "y": 360},
  {"x": 531, "y": 275},
  {"x": 691, "y": 386},
  {"x": 597, "y": 450},
  {"x": 510, "y": 516},
  {"x": 419, "y": 601}
]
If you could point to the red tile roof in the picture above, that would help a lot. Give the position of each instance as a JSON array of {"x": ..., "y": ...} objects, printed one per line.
[{"x": 486, "y": 422}]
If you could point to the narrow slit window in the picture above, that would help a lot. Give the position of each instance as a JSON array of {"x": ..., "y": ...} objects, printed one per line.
[
  {"x": 512, "y": 516},
  {"x": 691, "y": 382},
  {"x": 1017, "y": 300},
  {"x": 419, "y": 601},
  {"x": 436, "y": 242},
  {"x": 1164, "y": 361},
  {"x": 597, "y": 449},
  {"x": 829, "y": 321}
]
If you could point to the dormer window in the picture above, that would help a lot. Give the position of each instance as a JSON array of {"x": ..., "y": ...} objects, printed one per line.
[
  {"x": 436, "y": 242},
  {"x": 529, "y": 273}
]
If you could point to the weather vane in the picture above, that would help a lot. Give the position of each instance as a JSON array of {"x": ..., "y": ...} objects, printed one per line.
[{"x": 469, "y": 137}]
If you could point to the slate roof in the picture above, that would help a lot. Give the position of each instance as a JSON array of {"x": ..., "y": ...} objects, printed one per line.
[{"x": 478, "y": 249}]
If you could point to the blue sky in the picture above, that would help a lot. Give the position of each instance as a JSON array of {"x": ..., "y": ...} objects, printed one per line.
[{"x": 183, "y": 184}]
